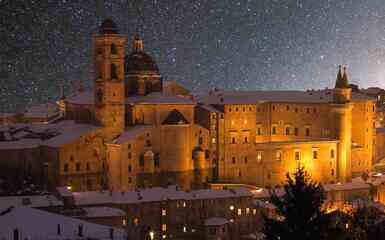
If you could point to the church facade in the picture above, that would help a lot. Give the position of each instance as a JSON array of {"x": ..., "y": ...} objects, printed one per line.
[{"x": 141, "y": 131}]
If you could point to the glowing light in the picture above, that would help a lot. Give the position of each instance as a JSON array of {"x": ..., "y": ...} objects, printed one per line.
[
  {"x": 231, "y": 207},
  {"x": 69, "y": 188},
  {"x": 152, "y": 235}
]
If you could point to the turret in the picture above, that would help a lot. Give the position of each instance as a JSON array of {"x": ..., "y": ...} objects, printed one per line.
[
  {"x": 342, "y": 90},
  {"x": 342, "y": 118},
  {"x": 109, "y": 78}
]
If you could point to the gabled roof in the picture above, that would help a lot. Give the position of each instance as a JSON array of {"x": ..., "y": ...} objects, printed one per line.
[{"x": 174, "y": 118}]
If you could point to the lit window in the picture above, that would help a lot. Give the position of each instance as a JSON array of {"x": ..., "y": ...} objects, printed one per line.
[
  {"x": 164, "y": 212},
  {"x": 254, "y": 211},
  {"x": 278, "y": 155},
  {"x": 136, "y": 221},
  {"x": 231, "y": 207},
  {"x": 124, "y": 222},
  {"x": 245, "y": 121},
  {"x": 259, "y": 157},
  {"x": 247, "y": 211},
  {"x": 239, "y": 212},
  {"x": 164, "y": 227},
  {"x": 164, "y": 236},
  {"x": 232, "y": 122},
  {"x": 184, "y": 204},
  {"x": 297, "y": 155},
  {"x": 184, "y": 229},
  {"x": 213, "y": 140}
]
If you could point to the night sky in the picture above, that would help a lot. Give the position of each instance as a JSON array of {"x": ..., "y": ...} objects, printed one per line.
[{"x": 233, "y": 44}]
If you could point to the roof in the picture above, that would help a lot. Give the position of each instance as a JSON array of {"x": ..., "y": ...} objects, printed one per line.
[
  {"x": 175, "y": 118},
  {"x": 24, "y": 136},
  {"x": 139, "y": 62},
  {"x": 37, "y": 224},
  {"x": 131, "y": 133},
  {"x": 155, "y": 194},
  {"x": 216, "y": 221},
  {"x": 380, "y": 130},
  {"x": 220, "y": 97},
  {"x": 95, "y": 212},
  {"x": 345, "y": 186},
  {"x": 36, "y": 201},
  {"x": 87, "y": 98},
  {"x": 108, "y": 26},
  {"x": 46, "y": 110}
]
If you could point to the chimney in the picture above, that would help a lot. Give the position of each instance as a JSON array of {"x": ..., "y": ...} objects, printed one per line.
[{"x": 80, "y": 230}]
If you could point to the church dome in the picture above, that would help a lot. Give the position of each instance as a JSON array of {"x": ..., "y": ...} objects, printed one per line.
[
  {"x": 138, "y": 61},
  {"x": 108, "y": 27}
]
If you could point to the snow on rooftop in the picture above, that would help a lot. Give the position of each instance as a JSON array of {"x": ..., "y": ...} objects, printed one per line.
[
  {"x": 154, "y": 195},
  {"x": 346, "y": 186},
  {"x": 24, "y": 136},
  {"x": 37, "y": 224},
  {"x": 216, "y": 221},
  {"x": 42, "y": 111},
  {"x": 35, "y": 201},
  {"x": 95, "y": 212},
  {"x": 131, "y": 133},
  {"x": 253, "y": 97}
]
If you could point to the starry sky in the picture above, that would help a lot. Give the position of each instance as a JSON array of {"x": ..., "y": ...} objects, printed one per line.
[{"x": 232, "y": 44}]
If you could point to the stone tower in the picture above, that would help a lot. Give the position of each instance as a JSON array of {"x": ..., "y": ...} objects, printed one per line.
[
  {"x": 342, "y": 119},
  {"x": 109, "y": 79},
  {"x": 142, "y": 73}
]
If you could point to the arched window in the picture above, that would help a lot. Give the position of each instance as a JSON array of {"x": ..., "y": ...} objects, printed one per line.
[
  {"x": 113, "y": 49},
  {"x": 113, "y": 72}
]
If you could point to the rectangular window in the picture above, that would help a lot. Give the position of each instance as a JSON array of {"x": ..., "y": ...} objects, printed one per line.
[
  {"x": 259, "y": 157},
  {"x": 129, "y": 155},
  {"x": 296, "y": 131},
  {"x": 213, "y": 140},
  {"x": 88, "y": 166},
  {"x": 164, "y": 227},
  {"x": 66, "y": 167},
  {"x": 287, "y": 131},
  {"x": 297, "y": 155},
  {"x": 274, "y": 130},
  {"x": 233, "y": 140},
  {"x": 332, "y": 153},
  {"x": 148, "y": 143},
  {"x": 239, "y": 212},
  {"x": 278, "y": 155},
  {"x": 164, "y": 212},
  {"x": 77, "y": 166},
  {"x": 129, "y": 168},
  {"x": 307, "y": 132},
  {"x": 259, "y": 132},
  {"x": 315, "y": 154},
  {"x": 129, "y": 180}
]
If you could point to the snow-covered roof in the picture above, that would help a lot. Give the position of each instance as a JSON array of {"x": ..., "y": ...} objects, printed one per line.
[
  {"x": 346, "y": 186},
  {"x": 45, "y": 110},
  {"x": 95, "y": 212},
  {"x": 209, "y": 108},
  {"x": 40, "y": 225},
  {"x": 36, "y": 201},
  {"x": 87, "y": 98},
  {"x": 24, "y": 136},
  {"x": 380, "y": 130},
  {"x": 252, "y": 97},
  {"x": 216, "y": 221},
  {"x": 131, "y": 133},
  {"x": 153, "y": 195}
]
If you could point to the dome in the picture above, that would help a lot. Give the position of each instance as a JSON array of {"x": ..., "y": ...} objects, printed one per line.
[
  {"x": 108, "y": 27},
  {"x": 140, "y": 62}
]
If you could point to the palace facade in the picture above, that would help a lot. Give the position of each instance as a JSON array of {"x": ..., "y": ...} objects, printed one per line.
[{"x": 136, "y": 130}]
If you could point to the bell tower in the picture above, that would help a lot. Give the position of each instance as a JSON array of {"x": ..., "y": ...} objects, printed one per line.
[
  {"x": 342, "y": 118},
  {"x": 109, "y": 97}
]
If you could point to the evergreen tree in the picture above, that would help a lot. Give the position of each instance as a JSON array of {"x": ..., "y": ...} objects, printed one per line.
[{"x": 299, "y": 210}]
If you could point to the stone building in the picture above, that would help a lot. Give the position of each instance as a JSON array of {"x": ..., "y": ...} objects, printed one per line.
[{"x": 135, "y": 129}]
